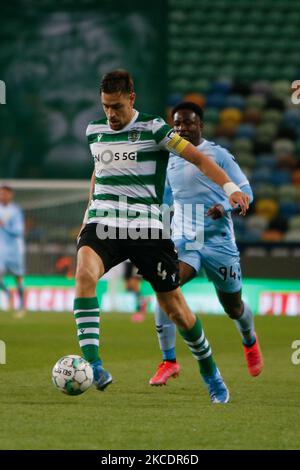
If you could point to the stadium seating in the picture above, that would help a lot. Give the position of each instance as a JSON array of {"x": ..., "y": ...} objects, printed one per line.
[
  {"x": 260, "y": 126},
  {"x": 241, "y": 71},
  {"x": 229, "y": 45}
]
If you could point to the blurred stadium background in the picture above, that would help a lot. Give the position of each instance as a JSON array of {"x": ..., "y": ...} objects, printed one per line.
[{"x": 237, "y": 59}]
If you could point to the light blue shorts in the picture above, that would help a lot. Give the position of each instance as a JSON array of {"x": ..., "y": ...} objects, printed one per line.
[{"x": 220, "y": 262}]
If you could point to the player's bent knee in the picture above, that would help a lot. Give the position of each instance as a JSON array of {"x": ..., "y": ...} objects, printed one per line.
[
  {"x": 178, "y": 316},
  {"x": 175, "y": 316},
  {"x": 183, "y": 321},
  {"x": 235, "y": 311},
  {"x": 85, "y": 279},
  {"x": 174, "y": 305},
  {"x": 168, "y": 302}
]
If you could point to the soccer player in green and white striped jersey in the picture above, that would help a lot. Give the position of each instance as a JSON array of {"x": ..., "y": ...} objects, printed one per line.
[{"x": 123, "y": 220}]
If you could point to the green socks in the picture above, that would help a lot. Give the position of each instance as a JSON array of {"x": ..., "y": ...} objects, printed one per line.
[
  {"x": 87, "y": 316},
  {"x": 200, "y": 348}
]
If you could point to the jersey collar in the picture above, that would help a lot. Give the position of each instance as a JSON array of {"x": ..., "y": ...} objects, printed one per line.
[{"x": 203, "y": 143}]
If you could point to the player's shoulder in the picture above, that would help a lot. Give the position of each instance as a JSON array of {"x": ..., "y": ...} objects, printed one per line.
[
  {"x": 16, "y": 208},
  {"x": 154, "y": 124},
  {"x": 98, "y": 125},
  {"x": 209, "y": 144},
  {"x": 151, "y": 122},
  {"x": 145, "y": 117},
  {"x": 220, "y": 153}
]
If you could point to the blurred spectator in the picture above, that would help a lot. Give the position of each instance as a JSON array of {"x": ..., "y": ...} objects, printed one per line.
[{"x": 65, "y": 266}]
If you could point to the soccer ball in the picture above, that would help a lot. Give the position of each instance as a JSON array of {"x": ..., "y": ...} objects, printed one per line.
[{"x": 72, "y": 375}]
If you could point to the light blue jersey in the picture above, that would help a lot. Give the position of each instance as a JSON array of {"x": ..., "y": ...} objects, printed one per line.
[
  {"x": 11, "y": 239},
  {"x": 190, "y": 187}
]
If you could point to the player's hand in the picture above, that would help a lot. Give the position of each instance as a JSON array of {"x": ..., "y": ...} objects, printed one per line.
[
  {"x": 216, "y": 212},
  {"x": 240, "y": 199}
]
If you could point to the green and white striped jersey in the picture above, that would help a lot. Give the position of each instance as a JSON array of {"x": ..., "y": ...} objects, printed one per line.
[{"x": 130, "y": 171}]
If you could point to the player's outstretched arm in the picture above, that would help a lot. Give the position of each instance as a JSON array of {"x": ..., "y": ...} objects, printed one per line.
[{"x": 215, "y": 173}]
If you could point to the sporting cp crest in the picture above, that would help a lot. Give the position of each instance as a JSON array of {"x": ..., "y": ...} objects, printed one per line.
[{"x": 134, "y": 135}]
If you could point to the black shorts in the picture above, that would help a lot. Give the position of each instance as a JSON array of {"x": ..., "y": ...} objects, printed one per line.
[{"x": 156, "y": 260}]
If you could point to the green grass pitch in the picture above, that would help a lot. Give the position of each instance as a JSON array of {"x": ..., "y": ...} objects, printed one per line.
[{"x": 264, "y": 412}]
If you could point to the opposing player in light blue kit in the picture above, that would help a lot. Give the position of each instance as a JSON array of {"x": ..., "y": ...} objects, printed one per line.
[
  {"x": 218, "y": 254},
  {"x": 11, "y": 243}
]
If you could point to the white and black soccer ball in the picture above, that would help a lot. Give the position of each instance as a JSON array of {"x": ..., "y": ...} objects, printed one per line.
[{"x": 72, "y": 375}]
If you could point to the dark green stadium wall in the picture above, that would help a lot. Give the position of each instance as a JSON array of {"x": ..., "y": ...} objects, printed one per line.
[
  {"x": 241, "y": 39},
  {"x": 52, "y": 56}
]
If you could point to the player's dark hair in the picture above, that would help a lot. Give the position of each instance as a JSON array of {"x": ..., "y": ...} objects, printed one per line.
[
  {"x": 7, "y": 188},
  {"x": 190, "y": 106},
  {"x": 117, "y": 81}
]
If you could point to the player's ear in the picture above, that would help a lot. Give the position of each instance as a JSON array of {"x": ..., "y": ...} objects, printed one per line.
[{"x": 132, "y": 98}]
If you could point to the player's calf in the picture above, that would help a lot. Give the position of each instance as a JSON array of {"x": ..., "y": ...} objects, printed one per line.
[{"x": 174, "y": 305}]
